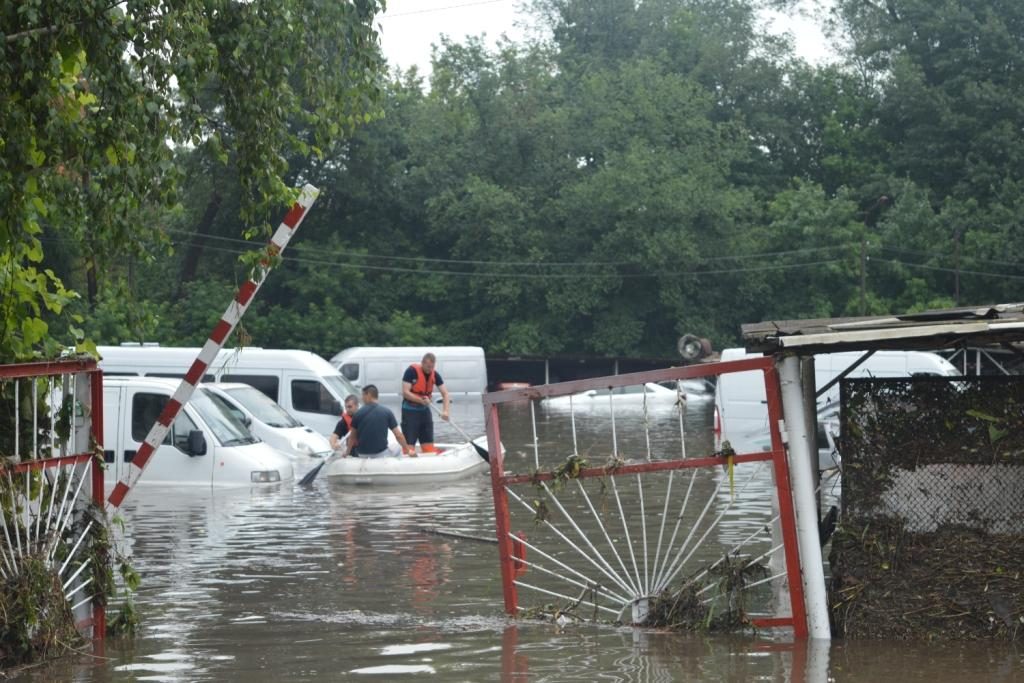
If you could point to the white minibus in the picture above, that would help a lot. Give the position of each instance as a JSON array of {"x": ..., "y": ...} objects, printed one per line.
[
  {"x": 741, "y": 412},
  {"x": 463, "y": 368},
  {"x": 303, "y": 383}
]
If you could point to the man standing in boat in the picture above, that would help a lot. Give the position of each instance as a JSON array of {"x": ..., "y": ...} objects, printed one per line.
[
  {"x": 370, "y": 427},
  {"x": 418, "y": 385},
  {"x": 345, "y": 424}
]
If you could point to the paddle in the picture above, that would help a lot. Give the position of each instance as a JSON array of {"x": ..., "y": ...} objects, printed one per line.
[
  {"x": 480, "y": 450},
  {"x": 311, "y": 475}
]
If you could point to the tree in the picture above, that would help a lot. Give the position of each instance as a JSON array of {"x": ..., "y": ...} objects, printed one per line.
[{"x": 99, "y": 95}]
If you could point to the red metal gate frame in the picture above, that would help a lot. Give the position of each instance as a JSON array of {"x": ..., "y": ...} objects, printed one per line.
[
  {"x": 59, "y": 368},
  {"x": 777, "y": 456}
]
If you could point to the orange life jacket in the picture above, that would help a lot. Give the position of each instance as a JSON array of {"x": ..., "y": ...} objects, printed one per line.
[
  {"x": 347, "y": 418},
  {"x": 424, "y": 385}
]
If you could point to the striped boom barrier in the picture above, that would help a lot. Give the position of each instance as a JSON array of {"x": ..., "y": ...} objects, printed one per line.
[{"x": 221, "y": 331}]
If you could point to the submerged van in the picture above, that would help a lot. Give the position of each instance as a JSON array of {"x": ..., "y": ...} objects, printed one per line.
[
  {"x": 267, "y": 420},
  {"x": 462, "y": 368},
  {"x": 741, "y": 411},
  {"x": 205, "y": 446},
  {"x": 301, "y": 382}
]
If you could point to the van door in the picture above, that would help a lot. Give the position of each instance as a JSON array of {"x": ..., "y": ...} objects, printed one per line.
[
  {"x": 113, "y": 413},
  {"x": 171, "y": 463}
]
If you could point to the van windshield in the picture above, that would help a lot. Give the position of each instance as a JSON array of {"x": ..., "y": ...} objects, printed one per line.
[
  {"x": 340, "y": 386},
  {"x": 262, "y": 408},
  {"x": 225, "y": 427}
]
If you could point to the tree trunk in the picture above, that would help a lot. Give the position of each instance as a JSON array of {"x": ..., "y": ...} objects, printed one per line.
[{"x": 190, "y": 261}]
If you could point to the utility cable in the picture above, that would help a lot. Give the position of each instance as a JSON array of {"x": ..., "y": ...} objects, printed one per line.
[{"x": 538, "y": 264}]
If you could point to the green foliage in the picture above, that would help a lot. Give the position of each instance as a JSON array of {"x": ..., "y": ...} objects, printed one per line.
[
  {"x": 35, "y": 618},
  {"x": 97, "y": 99},
  {"x": 653, "y": 169}
]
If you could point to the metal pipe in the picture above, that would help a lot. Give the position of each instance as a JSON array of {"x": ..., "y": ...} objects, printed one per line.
[
  {"x": 563, "y": 596},
  {"x": 802, "y": 482},
  {"x": 590, "y": 582},
  {"x": 807, "y": 378},
  {"x": 621, "y": 582},
  {"x": 629, "y": 540},
  {"x": 835, "y": 380},
  {"x": 997, "y": 363},
  {"x": 17, "y": 414},
  {"x": 536, "y": 444}
]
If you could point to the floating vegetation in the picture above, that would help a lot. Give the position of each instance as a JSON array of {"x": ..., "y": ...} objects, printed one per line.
[
  {"x": 35, "y": 618},
  {"x": 931, "y": 544},
  {"x": 717, "y": 603},
  {"x": 57, "y": 558},
  {"x": 953, "y": 583}
]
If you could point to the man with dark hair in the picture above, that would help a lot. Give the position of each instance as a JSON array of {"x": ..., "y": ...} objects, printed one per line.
[
  {"x": 345, "y": 424},
  {"x": 418, "y": 384},
  {"x": 370, "y": 427}
]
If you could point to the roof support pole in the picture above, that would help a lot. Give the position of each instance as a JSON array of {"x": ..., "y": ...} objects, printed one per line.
[
  {"x": 801, "y": 472},
  {"x": 810, "y": 401}
]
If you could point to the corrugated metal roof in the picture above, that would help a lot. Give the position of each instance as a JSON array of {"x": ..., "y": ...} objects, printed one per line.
[{"x": 945, "y": 328}]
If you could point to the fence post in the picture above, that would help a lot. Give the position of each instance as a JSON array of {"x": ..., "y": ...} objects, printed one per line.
[
  {"x": 99, "y": 612},
  {"x": 502, "y": 518},
  {"x": 801, "y": 470}
]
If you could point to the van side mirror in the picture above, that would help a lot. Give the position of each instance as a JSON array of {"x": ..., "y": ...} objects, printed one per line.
[
  {"x": 247, "y": 421},
  {"x": 196, "y": 443},
  {"x": 336, "y": 407}
]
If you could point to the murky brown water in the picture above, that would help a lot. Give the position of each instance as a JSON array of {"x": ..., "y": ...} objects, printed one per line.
[{"x": 335, "y": 583}]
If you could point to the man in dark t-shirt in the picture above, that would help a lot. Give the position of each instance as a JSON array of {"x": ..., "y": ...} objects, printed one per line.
[
  {"x": 371, "y": 424},
  {"x": 345, "y": 424}
]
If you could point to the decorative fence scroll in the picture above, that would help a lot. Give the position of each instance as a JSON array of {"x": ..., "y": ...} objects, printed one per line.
[{"x": 638, "y": 535}]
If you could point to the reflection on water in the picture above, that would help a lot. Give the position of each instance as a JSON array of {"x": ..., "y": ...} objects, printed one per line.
[{"x": 283, "y": 584}]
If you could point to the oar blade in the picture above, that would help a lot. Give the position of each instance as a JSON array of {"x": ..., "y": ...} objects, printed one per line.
[
  {"x": 311, "y": 475},
  {"x": 481, "y": 451}
]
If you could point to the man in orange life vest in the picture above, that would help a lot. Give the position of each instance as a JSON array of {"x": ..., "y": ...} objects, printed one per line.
[
  {"x": 418, "y": 384},
  {"x": 345, "y": 424}
]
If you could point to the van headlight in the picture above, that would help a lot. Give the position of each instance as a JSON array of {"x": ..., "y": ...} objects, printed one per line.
[{"x": 265, "y": 476}]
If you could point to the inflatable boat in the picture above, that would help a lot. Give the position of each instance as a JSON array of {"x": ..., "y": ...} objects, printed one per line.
[{"x": 452, "y": 462}]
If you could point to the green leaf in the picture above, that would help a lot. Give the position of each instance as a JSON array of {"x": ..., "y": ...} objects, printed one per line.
[
  {"x": 87, "y": 346},
  {"x": 995, "y": 434},
  {"x": 39, "y": 205},
  {"x": 982, "y": 416},
  {"x": 111, "y": 155}
]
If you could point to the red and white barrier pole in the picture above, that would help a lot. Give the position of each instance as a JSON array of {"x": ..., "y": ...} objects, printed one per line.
[{"x": 221, "y": 331}]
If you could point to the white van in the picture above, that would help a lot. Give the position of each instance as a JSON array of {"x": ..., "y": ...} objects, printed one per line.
[
  {"x": 462, "y": 368},
  {"x": 206, "y": 445},
  {"x": 303, "y": 383},
  {"x": 741, "y": 412},
  {"x": 267, "y": 420}
]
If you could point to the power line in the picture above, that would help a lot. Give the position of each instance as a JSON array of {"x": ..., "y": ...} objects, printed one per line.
[
  {"x": 429, "y": 10},
  {"x": 537, "y": 264},
  {"x": 949, "y": 270},
  {"x": 541, "y": 276},
  {"x": 935, "y": 254}
]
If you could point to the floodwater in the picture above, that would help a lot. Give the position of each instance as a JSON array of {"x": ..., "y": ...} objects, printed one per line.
[{"x": 342, "y": 583}]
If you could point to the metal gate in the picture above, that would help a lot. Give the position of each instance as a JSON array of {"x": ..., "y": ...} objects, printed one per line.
[
  {"x": 53, "y": 479},
  {"x": 651, "y": 528}
]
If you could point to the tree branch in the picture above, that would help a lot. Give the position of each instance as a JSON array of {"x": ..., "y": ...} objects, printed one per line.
[{"x": 43, "y": 30}]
